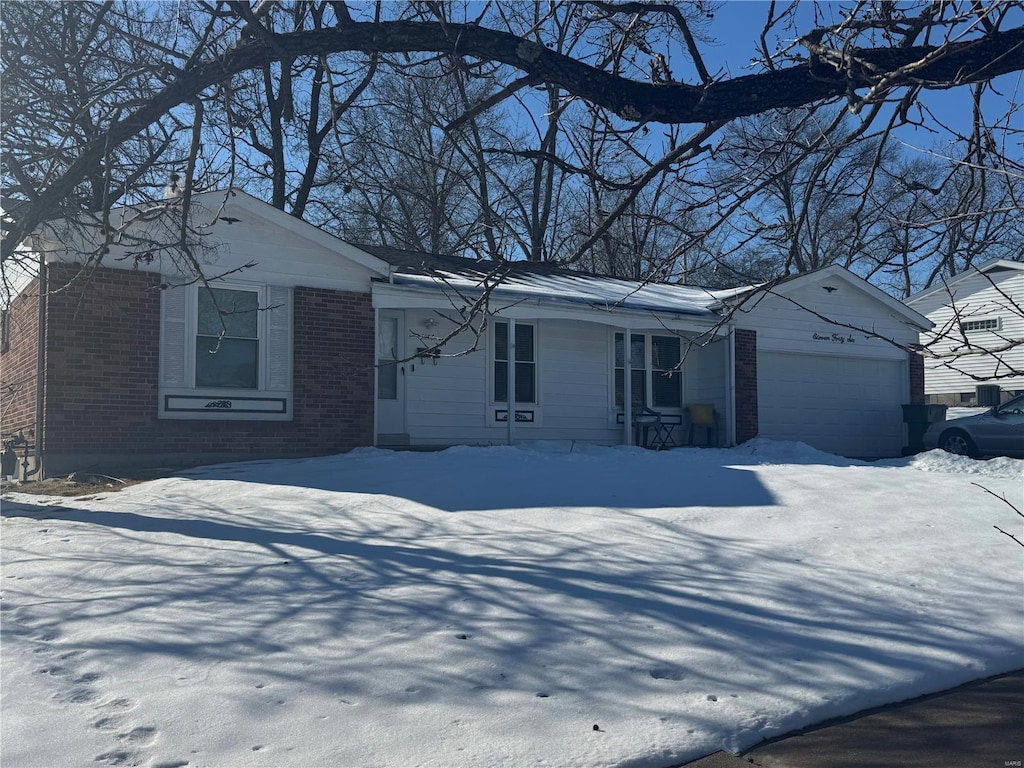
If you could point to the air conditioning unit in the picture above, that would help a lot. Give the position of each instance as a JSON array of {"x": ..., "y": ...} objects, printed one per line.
[{"x": 988, "y": 395}]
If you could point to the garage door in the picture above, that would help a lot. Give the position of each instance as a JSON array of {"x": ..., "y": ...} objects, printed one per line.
[{"x": 844, "y": 405}]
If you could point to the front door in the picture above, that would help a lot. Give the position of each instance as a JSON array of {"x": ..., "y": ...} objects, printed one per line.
[{"x": 391, "y": 379}]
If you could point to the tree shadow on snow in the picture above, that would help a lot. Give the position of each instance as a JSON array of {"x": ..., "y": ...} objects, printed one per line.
[
  {"x": 477, "y": 479},
  {"x": 656, "y": 616}
]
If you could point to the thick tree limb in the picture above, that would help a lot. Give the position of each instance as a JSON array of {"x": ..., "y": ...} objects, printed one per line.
[{"x": 962, "y": 62}]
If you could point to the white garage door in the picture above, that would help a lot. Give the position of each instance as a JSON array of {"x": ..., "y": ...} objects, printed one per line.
[{"x": 844, "y": 405}]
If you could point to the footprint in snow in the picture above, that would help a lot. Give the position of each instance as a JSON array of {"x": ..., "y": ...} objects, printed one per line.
[
  {"x": 119, "y": 757},
  {"x": 109, "y": 723},
  {"x": 119, "y": 705},
  {"x": 77, "y": 695},
  {"x": 668, "y": 673},
  {"x": 53, "y": 671},
  {"x": 139, "y": 737}
]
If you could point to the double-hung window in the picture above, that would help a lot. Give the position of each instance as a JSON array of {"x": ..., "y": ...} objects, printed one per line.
[
  {"x": 654, "y": 375},
  {"x": 227, "y": 339},
  {"x": 226, "y": 352},
  {"x": 525, "y": 363}
]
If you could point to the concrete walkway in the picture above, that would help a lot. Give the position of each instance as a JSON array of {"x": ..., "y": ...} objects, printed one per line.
[{"x": 978, "y": 725}]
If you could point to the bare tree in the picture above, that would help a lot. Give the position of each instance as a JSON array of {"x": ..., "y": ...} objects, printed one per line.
[{"x": 102, "y": 100}]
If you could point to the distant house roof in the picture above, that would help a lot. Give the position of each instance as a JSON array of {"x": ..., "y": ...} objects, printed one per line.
[
  {"x": 986, "y": 268},
  {"x": 542, "y": 280}
]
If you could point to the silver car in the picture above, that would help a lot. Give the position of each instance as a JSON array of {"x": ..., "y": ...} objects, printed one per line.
[{"x": 999, "y": 431}]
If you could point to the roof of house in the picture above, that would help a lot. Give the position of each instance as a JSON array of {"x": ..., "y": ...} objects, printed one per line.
[
  {"x": 542, "y": 280},
  {"x": 988, "y": 267}
]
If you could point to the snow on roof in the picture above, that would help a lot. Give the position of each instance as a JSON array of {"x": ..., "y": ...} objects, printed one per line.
[
  {"x": 597, "y": 292},
  {"x": 531, "y": 280}
]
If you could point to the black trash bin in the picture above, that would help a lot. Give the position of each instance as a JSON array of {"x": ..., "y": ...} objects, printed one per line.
[{"x": 918, "y": 417}]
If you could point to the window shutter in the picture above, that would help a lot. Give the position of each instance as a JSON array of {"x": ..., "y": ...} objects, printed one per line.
[
  {"x": 279, "y": 338},
  {"x": 173, "y": 325}
]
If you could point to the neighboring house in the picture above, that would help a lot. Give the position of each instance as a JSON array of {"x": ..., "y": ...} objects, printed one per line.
[
  {"x": 326, "y": 346},
  {"x": 978, "y": 335}
]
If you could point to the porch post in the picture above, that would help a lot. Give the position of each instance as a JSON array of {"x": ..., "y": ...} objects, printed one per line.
[
  {"x": 511, "y": 379},
  {"x": 627, "y": 386}
]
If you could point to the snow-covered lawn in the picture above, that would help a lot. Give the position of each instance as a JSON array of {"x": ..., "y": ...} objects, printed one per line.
[{"x": 498, "y": 606}]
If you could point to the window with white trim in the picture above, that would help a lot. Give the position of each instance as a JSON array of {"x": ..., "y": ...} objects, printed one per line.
[
  {"x": 975, "y": 326},
  {"x": 525, "y": 363},
  {"x": 655, "y": 379},
  {"x": 387, "y": 358},
  {"x": 227, "y": 339},
  {"x": 225, "y": 352}
]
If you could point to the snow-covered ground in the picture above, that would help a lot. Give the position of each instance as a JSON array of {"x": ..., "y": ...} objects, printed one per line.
[{"x": 551, "y": 605}]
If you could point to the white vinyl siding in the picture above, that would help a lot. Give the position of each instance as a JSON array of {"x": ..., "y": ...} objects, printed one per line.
[
  {"x": 449, "y": 400},
  {"x": 978, "y": 302}
]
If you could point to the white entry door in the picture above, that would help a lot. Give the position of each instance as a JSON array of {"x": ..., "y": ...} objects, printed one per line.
[{"x": 391, "y": 379}]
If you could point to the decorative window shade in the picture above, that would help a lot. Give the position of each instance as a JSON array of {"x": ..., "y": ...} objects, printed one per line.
[
  {"x": 279, "y": 338},
  {"x": 174, "y": 330}
]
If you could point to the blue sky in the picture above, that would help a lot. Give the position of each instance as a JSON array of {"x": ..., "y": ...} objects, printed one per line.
[{"x": 737, "y": 26}]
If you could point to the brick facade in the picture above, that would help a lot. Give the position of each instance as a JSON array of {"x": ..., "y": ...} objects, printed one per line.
[
  {"x": 334, "y": 369},
  {"x": 916, "y": 368},
  {"x": 18, "y": 365},
  {"x": 746, "y": 384},
  {"x": 103, "y": 338}
]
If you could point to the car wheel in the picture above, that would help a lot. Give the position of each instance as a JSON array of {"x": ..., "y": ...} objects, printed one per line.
[{"x": 959, "y": 443}]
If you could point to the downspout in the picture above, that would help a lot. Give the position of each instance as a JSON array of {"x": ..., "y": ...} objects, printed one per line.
[
  {"x": 730, "y": 402},
  {"x": 511, "y": 382},
  {"x": 40, "y": 369},
  {"x": 627, "y": 386},
  {"x": 376, "y": 363}
]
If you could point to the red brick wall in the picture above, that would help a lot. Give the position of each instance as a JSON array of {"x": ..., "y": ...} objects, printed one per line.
[
  {"x": 18, "y": 365},
  {"x": 333, "y": 369},
  {"x": 916, "y": 368},
  {"x": 102, "y": 377},
  {"x": 746, "y": 385},
  {"x": 102, "y": 357}
]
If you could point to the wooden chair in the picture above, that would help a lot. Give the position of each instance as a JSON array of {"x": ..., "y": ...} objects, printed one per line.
[{"x": 703, "y": 416}]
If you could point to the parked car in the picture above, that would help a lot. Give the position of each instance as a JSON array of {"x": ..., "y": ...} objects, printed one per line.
[{"x": 999, "y": 431}]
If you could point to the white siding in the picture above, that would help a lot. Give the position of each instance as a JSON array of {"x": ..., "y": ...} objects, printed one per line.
[
  {"x": 797, "y": 325},
  {"x": 445, "y": 398},
  {"x": 576, "y": 382},
  {"x": 293, "y": 255},
  {"x": 450, "y": 403},
  {"x": 705, "y": 380},
  {"x": 976, "y": 299}
]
